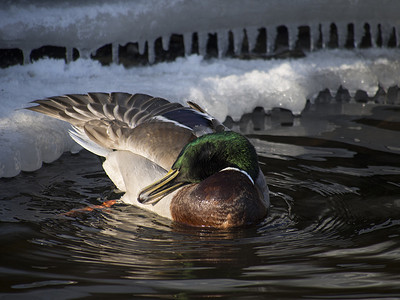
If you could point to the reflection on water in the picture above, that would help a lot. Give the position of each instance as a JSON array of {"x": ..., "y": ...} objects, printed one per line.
[{"x": 332, "y": 231}]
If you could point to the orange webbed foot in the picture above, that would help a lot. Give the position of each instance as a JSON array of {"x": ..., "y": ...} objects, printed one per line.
[{"x": 104, "y": 205}]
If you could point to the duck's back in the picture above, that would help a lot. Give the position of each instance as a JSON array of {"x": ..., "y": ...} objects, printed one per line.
[{"x": 152, "y": 127}]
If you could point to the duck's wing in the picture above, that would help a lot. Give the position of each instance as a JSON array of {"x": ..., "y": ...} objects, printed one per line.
[{"x": 152, "y": 127}]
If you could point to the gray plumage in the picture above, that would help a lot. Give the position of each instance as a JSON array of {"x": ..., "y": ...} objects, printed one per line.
[{"x": 138, "y": 123}]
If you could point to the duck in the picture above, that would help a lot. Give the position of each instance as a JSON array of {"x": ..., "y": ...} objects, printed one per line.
[{"x": 176, "y": 161}]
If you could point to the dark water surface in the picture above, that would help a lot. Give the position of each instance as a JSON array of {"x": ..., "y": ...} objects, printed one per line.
[{"x": 332, "y": 231}]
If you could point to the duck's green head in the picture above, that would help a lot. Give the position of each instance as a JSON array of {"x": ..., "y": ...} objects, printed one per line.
[{"x": 202, "y": 158}]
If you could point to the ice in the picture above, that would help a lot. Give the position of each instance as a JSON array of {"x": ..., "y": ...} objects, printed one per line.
[
  {"x": 142, "y": 47},
  {"x": 187, "y": 39},
  {"x": 223, "y": 87},
  {"x": 70, "y": 53},
  {"x": 252, "y": 33},
  {"x": 26, "y": 54},
  {"x": 271, "y": 36},
  {"x": 165, "y": 42},
  {"x": 358, "y": 33},
  {"x": 125, "y": 21},
  {"x": 292, "y": 32},
  {"x": 202, "y": 38},
  {"x": 238, "y": 39},
  {"x": 386, "y": 32},
  {"x": 341, "y": 28},
  {"x": 398, "y": 35},
  {"x": 27, "y": 140},
  {"x": 222, "y": 36},
  {"x": 314, "y": 36},
  {"x": 373, "y": 27},
  {"x": 115, "y": 58},
  {"x": 89, "y": 26},
  {"x": 151, "y": 54},
  {"x": 325, "y": 28}
]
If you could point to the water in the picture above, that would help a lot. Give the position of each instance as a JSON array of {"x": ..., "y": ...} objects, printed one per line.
[{"x": 332, "y": 231}]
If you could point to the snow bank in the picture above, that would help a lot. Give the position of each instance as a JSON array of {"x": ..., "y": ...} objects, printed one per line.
[{"x": 223, "y": 87}]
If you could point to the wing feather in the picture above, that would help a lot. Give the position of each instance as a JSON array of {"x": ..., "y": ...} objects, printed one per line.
[
  {"x": 100, "y": 98},
  {"x": 142, "y": 124}
]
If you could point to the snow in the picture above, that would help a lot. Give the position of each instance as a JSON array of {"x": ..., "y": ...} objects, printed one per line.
[{"x": 223, "y": 87}]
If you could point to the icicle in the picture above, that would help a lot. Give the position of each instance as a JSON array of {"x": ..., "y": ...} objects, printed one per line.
[
  {"x": 326, "y": 34},
  {"x": 84, "y": 53},
  {"x": 114, "y": 51},
  {"x": 27, "y": 58},
  {"x": 252, "y": 33},
  {"x": 333, "y": 92},
  {"x": 371, "y": 92},
  {"x": 314, "y": 36},
  {"x": 222, "y": 37},
  {"x": 352, "y": 93},
  {"x": 373, "y": 29},
  {"x": 271, "y": 37},
  {"x": 358, "y": 34},
  {"x": 342, "y": 34},
  {"x": 187, "y": 40},
  {"x": 165, "y": 42},
  {"x": 386, "y": 32},
  {"x": 202, "y": 41},
  {"x": 237, "y": 40},
  {"x": 142, "y": 47},
  {"x": 150, "y": 55},
  {"x": 292, "y": 36},
  {"x": 69, "y": 54}
]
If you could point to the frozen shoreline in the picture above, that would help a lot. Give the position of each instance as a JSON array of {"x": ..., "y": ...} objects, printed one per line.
[{"x": 223, "y": 87}]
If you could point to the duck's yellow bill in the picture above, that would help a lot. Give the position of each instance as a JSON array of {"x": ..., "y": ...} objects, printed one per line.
[{"x": 159, "y": 189}]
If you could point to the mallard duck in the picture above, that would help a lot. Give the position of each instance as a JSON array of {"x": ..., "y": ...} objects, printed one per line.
[{"x": 178, "y": 162}]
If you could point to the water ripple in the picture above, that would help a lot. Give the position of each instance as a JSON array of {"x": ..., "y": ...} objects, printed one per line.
[{"x": 332, "y": 230}]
